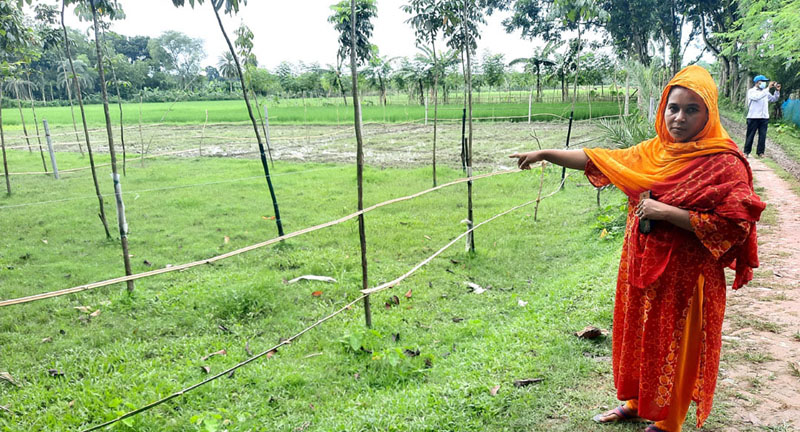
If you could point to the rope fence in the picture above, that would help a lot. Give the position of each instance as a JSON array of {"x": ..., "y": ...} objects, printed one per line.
[
  {"x": 273, "y": 350},
  {"x": 240, "y": 251}
]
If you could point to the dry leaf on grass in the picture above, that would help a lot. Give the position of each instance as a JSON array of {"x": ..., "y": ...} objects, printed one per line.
[
  {"x": 85, "y": 309},
  {"x": 408, "y": 294},
  {"x": 271, "y": 353},
  {"x": 205, "y": 369},
  {"x": 95, "y": 313},
  {"x": 226, "y": 239},
  {"x": 313, "y": 278},
  {"x": 215, "y": 353},
  {"x": 247, "y": 348},
  {"x": 493, "y": 391},
  {"x": 47, "y": 340},
  {"x": 5, "y": 376},
  {"x": 316, "y": 293},
  {"x": 522, "y": 303}
]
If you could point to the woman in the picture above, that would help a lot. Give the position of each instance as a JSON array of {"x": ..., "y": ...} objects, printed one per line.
[{"x": 670, "y": 298}]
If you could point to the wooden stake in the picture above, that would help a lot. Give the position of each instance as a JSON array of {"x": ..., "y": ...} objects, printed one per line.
[
  {"x": 36, "y": 123},
  {"x": 50, "y": 149},
  {"x": 468, "y": 76}
]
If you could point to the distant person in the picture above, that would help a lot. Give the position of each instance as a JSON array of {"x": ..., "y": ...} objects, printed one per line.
[
  {"x": 758, "y": 99},
  {"x": 670, "y": 298}
]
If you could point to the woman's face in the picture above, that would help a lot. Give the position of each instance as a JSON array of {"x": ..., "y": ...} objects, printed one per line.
[{"x": 686, "y": 114}]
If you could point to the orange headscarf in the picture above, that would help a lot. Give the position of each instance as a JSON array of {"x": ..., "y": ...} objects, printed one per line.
[{"x": 658, "y": 160}]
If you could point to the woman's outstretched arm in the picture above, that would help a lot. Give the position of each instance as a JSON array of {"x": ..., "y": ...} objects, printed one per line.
[{"x": 575, "y": 159}]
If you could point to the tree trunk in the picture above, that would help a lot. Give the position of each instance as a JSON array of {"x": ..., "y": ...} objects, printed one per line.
[
  {"x": 359, "y": 162},
  {"x": 121, "y": 222},
  {"x": 538, "y": 84},
  {"x": 627, "y": 92},
  {"x": 72, "y": 112},
  {"x": 36, "y": 123},
  {"x": 77, "y": 85},
  {"x": 22, "y": 119},
  {"x": 121, "y": 122},
  {"x": 468, "y": 89},
  {"x": 577, "y": 67},
  {"x": 3, "y": 144},
  {"x": 435, "y": 104},
  {"x": 255, "y": 124}
]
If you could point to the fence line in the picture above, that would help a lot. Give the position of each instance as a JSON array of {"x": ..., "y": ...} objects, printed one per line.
[
  {"x": 272, "y": 351},
  {"x": 239, "y": 251}
]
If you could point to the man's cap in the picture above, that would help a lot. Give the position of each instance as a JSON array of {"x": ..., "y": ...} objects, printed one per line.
[{"x": 760, "y": 78}]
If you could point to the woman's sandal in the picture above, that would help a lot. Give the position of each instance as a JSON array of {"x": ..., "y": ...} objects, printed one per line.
[
  {"x": 653, "y": 428},
  {"x": 618, "y": 414}
]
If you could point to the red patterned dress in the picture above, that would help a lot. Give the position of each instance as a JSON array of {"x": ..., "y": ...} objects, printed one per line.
[{"x": 661, "y": 272}]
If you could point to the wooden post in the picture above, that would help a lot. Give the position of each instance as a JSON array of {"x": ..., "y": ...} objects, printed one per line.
[
  {"x": 359, "y": 162},
  {"x": 36, "y": 124},
  {"x": 530, "y": 99},
  {"x": 202, "y": 135},
  {"x": 50, "y": 148},
  {"x": 468, "y": 89}
]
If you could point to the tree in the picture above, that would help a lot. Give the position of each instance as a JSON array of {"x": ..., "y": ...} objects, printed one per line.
[
  {"x": 178, "y": 54},
  {"x": 232, "y": 7},
  {"x": 494, "y": 69},
  {"x": 113, "y": 10},
  {"x": 355, "y": 28},
  {"x": 15, "y": 38},
  {"x": 541, "y": 58},
  {"x": 227, "y": 68},
  {"x": 76, "y": 83},
  {"x": 427, "y": 18},
  {"x": 377, "y": 72}
]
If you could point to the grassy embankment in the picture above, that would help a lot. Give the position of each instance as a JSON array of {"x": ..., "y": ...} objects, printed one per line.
[
  {"x": 545, "y": 280},
  {"x": 289, "y": 112}
]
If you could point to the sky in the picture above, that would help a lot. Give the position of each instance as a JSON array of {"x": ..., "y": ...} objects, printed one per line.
[
  {"x": 298, "y": 30},
  {"x": 294, "y": 30}
]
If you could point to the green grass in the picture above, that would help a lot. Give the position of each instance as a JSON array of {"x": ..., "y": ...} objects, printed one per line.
[
  {"x": 149, "y": 344},
  {"x": 285, "y": 112}
]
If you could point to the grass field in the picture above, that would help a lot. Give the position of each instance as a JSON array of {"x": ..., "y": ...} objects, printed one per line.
[
  {"x": 149, "y": 344},
  {"x": 281, "y": 113}
]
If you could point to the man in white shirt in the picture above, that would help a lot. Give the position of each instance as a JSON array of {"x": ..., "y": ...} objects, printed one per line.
[{"x": 758, "y": 99}]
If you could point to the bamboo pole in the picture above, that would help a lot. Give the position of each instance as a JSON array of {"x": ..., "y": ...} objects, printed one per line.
[
  {"x": 362, "y": 237},
  {"x": 122, "y": 223},
  {"x": 77, "y": 85}
]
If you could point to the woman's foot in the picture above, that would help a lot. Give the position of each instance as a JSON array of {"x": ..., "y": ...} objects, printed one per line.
[
  {"x": 653, "y": 428},
  {"x": 618, "y": 414}
]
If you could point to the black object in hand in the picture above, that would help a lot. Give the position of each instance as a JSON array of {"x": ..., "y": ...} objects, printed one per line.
[{"x": 645, "y": 225}]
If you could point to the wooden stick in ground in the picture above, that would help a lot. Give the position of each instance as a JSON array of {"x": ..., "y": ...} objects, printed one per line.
[
  {"x": 3, "y": 143},
  {"x": 541, "y": 180},
  {"x": 71, "y": 107},
  {"x": 36, "y": 122},
  {"x": 22, "y": 118},
  {"x": 141, "y": 138},
  {"x": 362, "y": 237},
  {"x": 121, "y": 122},
  {"x": 202, "y": 135},
  {"x": 102, "y": 213},
  {"x": 252, "y": 119},
  {"x": 122, "y": 223},
  {"x": 50, "y": 149}
]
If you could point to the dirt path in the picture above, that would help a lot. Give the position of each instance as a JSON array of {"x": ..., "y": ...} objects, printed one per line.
[{"x": 759, "y": 378}]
